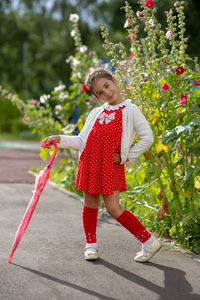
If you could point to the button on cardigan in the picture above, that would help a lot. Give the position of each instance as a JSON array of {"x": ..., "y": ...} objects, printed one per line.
[{"x": 133, "y": 121}]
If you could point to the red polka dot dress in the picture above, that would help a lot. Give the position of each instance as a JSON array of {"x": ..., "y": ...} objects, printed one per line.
[{"x": 97, "y": 173}]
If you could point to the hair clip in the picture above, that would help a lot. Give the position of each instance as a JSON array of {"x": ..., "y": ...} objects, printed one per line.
[{"x": 86, "y": 91}]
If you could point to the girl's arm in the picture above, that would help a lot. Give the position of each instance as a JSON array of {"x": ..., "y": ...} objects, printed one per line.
[
  {"x": 144, "y": 132},
  {"x": 70, "y": 141}
]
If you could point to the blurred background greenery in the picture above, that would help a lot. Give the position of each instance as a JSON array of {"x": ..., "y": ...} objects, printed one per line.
[{"x": 35, "y": 42}]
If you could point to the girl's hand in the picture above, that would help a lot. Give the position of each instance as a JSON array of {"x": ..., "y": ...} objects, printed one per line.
[
  {"x": 117, "y": 157},
  {"x": 47, "y": 140}
]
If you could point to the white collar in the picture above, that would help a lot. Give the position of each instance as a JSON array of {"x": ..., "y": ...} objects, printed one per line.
[{"x": 114, "y": 107}]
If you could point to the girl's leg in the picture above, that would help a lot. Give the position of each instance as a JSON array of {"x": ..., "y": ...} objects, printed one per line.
[
  {"x": 131, "y": 223},
  {"x": 89, "y": 217}
]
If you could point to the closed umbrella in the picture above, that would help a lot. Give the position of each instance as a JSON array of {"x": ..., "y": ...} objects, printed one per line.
[{"x": 40, "y": 183}]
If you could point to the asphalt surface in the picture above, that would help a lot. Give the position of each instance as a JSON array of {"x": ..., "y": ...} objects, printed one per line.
[{"x": 49, "y": 263}]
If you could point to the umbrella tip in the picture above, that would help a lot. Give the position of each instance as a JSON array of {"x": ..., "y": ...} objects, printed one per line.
[{"x": 10, "y": 258}]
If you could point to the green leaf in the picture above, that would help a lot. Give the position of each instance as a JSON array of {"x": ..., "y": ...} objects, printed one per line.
[
  {"x": 189, "y": 178},
  {"x": 172, "y": 230}
]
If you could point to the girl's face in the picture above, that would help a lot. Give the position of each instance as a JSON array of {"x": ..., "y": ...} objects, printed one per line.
[{"x": 107, "y": 90}]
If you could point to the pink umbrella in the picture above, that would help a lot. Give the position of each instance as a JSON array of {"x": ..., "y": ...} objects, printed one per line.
[{"x": 40, "y": 183}]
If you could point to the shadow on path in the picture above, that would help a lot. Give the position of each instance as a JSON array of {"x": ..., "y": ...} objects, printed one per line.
[
  {"x": 176, "y": 285},
  {"x": 66, "y": 283}
]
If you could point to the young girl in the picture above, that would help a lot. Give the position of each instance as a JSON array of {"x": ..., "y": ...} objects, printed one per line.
[{"x": 104, "y": 146}]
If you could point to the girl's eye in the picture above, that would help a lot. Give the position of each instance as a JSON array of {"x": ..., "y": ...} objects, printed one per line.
[{"x": 106, "y": 85}]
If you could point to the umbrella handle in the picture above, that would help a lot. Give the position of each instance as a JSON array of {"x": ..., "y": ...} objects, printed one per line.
[{"x": 55, "y": 151}]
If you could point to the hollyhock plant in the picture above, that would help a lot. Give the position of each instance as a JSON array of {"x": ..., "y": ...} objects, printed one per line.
[
  {"x": 179, "y": 70},
  {"x": 183, "y": 99},
  {"x": 161, "y": 95},
  {"x": 165, "y": 86},
  {"x": 149, "y": 3}
]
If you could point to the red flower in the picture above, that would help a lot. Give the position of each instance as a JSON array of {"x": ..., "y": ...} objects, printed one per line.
[
  {"x": 197, "y": 83},
  {"x": 179, "y": 70},
  {"x": 149, "y": 3},
  {"x": 165, "y": 86},
  {"x": 84, "y": 87},
  {"x": 183, "y": 99},
  {"x": 165, "y": 62}
]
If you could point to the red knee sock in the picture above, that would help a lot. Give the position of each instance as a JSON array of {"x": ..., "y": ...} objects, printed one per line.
[
  {"x": 131, "y": 223},
  {"x": 89, "y": 217}
]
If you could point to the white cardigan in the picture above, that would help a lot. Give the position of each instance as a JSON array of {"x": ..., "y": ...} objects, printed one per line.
[{"x": 133, "y": 121}]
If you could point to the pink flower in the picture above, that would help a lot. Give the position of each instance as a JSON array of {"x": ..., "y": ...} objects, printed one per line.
[
  {"x": 129, "y": 70},
  {"x": 151, "y": 22},
  {"x": 183, "y": 99},
  {"x": 104, "y": 45},
  {"x": 197, "y": 83},
  {"x": 21, "y": 109},
  {"x": 93, "y": 99},
  {"x": 5, "y": 94},
  {"x": 24, "y": 119},
  {"x": 168, "y": 71},
  {"x": 132, "y": 55},
  {"x": 136, "y": 35},
  {"x": 169, "y": 34},
  {"x": 179, "y": 70},
  {"x": 139, "y": 15},
  {"x": 175, "y": 4},
  {"x": 165, "y": 62},
  {"x": 34, "y": 101},
  {"x": 127, "y": 86},
  {"x": 90, "y": 53},
  {"x": 149, "y": 3},
  {"x": 165, "y": 86}
]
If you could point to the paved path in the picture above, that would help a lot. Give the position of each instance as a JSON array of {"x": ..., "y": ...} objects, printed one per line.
[{"x": 49, "y": 264}]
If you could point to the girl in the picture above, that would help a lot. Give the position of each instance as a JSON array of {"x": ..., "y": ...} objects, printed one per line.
[{"x": 104, "y": 146}]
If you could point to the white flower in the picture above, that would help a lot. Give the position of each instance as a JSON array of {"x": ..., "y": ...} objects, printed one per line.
[
  {"x": 58, "y": 107},
  {"x": 127, "y": 23},
  {"x": 59, "y": 88},
  {"x": 83, "y": 49},
  {"x": 95, "y": 61},
  {"x": 151, "y": 22},
  {"x": 62, "y": 96},
  {"x": 44, "y": 97},
  {"x": 74, "y": 18},
  {"x": 78, "y": 74},
  {"x": 73, "y": 33},
  {"x": 69, "y": 59},
  {"x": 76, "y": 62}
]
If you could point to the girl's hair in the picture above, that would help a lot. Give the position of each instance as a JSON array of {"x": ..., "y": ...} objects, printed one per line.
[{"x": 96, "y": 74}]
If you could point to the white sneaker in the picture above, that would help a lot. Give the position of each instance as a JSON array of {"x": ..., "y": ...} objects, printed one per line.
[
  {"x": 91, "y": 253},
  {"x": 146, "y": 254}
]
